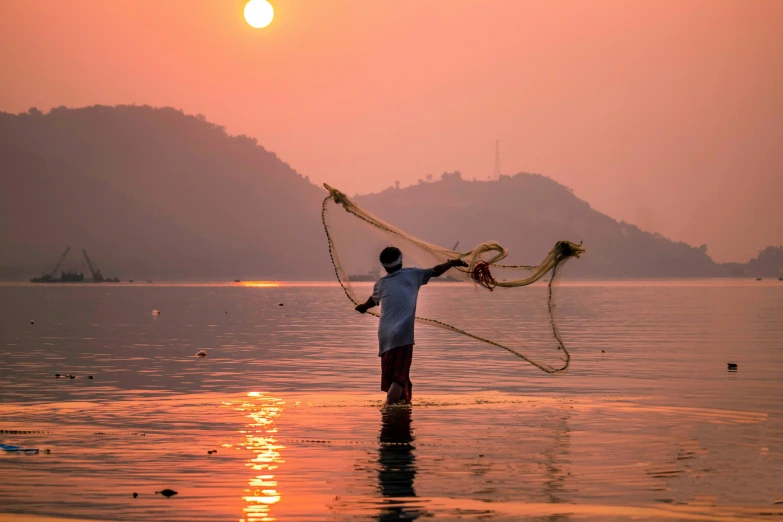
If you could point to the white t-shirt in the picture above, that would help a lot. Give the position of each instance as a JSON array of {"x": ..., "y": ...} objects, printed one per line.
[{"x": 397, "y": 294}]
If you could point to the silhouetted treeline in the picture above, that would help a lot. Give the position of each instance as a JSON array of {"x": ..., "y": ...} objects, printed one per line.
[{"x": 154, "y": 193}]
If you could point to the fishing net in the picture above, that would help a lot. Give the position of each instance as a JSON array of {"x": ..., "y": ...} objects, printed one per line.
[{"x": 475, "y": 305}]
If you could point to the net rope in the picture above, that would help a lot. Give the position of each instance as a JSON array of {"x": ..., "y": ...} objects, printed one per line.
[{"x": 482, "y": 261}]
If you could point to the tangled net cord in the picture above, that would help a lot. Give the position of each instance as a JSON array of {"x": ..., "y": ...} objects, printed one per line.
[
  {"x": 478, "y": 270},
  {"x": 483, "y": 276}
]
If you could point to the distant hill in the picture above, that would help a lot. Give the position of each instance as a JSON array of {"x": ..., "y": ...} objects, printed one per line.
[
  {"x": 151, "y": 193},
  {"x": 768, "y": 263},
  {"x": 154, "y": 193},
  {"x": 528, "y": 213}
]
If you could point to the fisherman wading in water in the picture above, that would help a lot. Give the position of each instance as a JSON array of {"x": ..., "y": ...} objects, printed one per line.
[{"x": 397, "y": 293}]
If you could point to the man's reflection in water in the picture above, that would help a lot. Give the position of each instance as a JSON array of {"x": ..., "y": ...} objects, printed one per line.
[
  {"x": 396, "y": 465},
  {"x": 556, "y": 461}
]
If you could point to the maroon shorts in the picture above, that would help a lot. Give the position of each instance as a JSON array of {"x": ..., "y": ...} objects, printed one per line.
[{"x": 396, "y": 367}]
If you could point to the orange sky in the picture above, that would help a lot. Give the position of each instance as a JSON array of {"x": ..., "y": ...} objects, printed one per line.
[{"x": 665, "y": 113}]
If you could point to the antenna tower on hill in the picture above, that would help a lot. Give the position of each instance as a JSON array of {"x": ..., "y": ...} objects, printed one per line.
[{"x": 496, "y": 172}]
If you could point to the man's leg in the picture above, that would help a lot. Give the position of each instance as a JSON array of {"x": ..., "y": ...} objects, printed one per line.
[
  {"x": 395, "y": 374},
  {"x": 395, "y": 393}
]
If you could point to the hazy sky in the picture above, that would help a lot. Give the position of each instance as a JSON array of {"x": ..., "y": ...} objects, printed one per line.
[{"x": 668, "y": 114}]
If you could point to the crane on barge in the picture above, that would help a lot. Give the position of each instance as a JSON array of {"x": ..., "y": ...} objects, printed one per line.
[
  {"x": 65, "y": 277},
  {"x": 97, "y": 275}
]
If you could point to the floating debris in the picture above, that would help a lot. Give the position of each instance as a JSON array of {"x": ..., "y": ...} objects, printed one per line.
[
  {"x": 17, "y": 449},
  {"x": 89, "y": 376},
  {"x": 201, "y": 353},
  {"x": 210, "y": 452},
  {"x": 56, "y": 375},
  {"x": 732, "y": 367},
  {"x": 32, "y": 322},
  {"x": 156, "y": 312},
  {"x": 167, "y": 492},
  {"x": 135, "y": 494},
  {"x": 281, "y": 304}
]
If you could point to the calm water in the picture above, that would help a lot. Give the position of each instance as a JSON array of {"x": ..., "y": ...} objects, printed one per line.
[{"x": 647, "y": 423}]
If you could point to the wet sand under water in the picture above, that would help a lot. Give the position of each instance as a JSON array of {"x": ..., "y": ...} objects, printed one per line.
[{"x": 300, "y": 432}]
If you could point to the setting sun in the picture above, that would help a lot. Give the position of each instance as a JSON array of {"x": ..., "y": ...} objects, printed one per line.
[{"x": 259, "y": 13}]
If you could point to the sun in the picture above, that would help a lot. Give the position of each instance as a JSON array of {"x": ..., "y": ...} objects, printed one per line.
[{"x": 259, "y": 13}]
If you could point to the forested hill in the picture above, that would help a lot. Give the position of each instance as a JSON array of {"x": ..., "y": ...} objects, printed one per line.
[
  {"x": 152, "y": 193},
  {"x": 157, "y": 194},
  {"x": 529, "y": 213}
]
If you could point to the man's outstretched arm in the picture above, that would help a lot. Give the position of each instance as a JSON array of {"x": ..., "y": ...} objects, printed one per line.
[
  {"x": 370, "y": 303},
  {"x": 441, "y": 269}
]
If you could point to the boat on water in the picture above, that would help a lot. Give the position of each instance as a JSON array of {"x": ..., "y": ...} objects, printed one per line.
[
  {"x": 65, "y": 277},
  {"x": 71, "y": 276},
  {"x": 371, "y": 275},
  {"x": 374, "y": 275}
]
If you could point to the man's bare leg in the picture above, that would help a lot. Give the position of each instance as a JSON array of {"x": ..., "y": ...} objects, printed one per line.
[{"x": 395, "y": 393}]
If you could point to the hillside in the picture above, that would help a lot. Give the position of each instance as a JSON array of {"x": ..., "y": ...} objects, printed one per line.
[
  {"x": 154, "y": 193},
  {"x": 528, "y": 213},
  {"x": 151, "y": 193}
]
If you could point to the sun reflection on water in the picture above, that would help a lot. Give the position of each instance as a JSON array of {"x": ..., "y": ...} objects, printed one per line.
[
  {"x": 259, "y": 284},
  {"x": 260, "y": 438}
]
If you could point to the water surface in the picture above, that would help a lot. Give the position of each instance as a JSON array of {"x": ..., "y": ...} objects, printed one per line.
[{"x": 646, "y": 424}]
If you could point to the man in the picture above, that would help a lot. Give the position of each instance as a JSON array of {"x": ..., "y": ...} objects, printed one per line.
[{"x": 397, "y": 293}]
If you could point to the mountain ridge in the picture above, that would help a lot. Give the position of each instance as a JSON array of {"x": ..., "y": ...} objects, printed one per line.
[{"x": 155, "y": 193}]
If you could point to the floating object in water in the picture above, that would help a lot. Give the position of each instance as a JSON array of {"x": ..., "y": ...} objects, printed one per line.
[
  {"x": 71, "y": 376},
  {"x": 210, "y": 452},
  {"x": 32, "y": 322},
  {"x": 89, "y": 376},
  {"x": 201, "y": 353},
  {"x": 281, "y": 304},
  {"x": 167, "y": 492},
  {"x": 57, "y": 375},
  {"x": 732, "y": 366},
  {"x": 237, "y": 281},
  {"x": 603, "y": 351},
  {"x": 758, "y": 279},
  {"x": 135, "y": 494},
  {"x": 156, "y": 312},
  {"x": 17, "y": 449}
]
